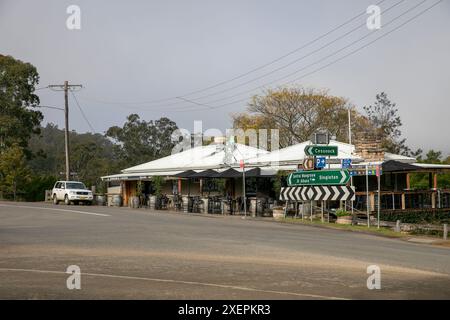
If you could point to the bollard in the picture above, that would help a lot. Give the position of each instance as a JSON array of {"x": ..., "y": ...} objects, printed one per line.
[
  {"x": 445, "y": 231},
  {"x": 397, "y": 226}
]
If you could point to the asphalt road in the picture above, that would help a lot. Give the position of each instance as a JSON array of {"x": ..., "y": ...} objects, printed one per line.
[{"x": 139, "y": 254}]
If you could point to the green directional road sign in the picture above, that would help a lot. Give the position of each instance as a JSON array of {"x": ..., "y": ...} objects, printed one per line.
[
  {"x": 317, "y": 178},
  {"x": 320, "y": 150}
]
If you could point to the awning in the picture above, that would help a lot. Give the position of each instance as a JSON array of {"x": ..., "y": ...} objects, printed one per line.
[
  {"x": 230, "y": 173},
  {"x": 255, "y": 172},
  {"x": 397, "y": 166},
  {"x": 185, "y": 174},
  {"x": 139, "y": 176},
  {"x": 205, "y": 174}
]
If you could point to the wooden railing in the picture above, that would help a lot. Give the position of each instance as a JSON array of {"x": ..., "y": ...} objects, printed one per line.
[{"x": 403, "y": 200}]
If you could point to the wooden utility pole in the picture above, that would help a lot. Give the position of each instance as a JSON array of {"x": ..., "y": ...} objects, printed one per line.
[{"x": 66, "y": 88}]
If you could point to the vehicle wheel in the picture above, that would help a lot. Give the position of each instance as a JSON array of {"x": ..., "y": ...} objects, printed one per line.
[
  {"x": 55, "y": 199},
  {"x": 66, "y": 200}
]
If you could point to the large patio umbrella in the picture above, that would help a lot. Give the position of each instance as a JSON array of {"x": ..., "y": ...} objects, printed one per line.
[
  {"x": 205, "y": 174},
  {"x": 229, "y": 173},
  {"x": 255, "y": 172},
  {"x": 185, "y": 174}
]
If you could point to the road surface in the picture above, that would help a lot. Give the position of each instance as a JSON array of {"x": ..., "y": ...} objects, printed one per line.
[{"x": 140, "y": 254}]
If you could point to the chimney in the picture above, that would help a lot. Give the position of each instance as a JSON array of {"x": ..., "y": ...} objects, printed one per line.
[{"x": 368, "y": 146}]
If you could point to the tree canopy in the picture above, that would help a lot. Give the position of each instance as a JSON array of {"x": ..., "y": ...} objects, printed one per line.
[
  {"x": 139, "y": 141},
  {"x": 18, "y": 119},
  {"x": 298, "y": 112}
]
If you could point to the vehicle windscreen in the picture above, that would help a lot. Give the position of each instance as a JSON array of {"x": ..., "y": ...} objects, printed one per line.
[{"x": 75, "y": 185}]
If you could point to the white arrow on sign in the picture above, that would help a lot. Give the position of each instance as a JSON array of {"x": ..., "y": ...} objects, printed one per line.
[
  {"x": 327, "y": 193},
  {"x": 336, "y": 193},
  {"x": 344, "y": 176}
]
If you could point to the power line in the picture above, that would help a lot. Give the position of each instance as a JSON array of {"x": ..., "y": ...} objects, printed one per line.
[
  {"x": 319, "y": 61},
  {"x": 65, "y": 87},
  {"x": 296, "y": 60},
  {"x": 82, "y": 112},
  {"x": 250, "y": 71},
  {"x": 334, "y": 61}
]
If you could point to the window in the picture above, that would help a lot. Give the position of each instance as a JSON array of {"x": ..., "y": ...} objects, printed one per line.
[{"x": 75, "y": 185}]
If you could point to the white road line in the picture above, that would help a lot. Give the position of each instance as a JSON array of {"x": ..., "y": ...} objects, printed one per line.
[
  {"x": 206, "y": 284},
  {"x": 54, "y": 209}
]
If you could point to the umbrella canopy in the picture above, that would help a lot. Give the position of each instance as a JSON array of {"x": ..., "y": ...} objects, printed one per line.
[
  {"x": 392, "y": 165},
  {"x": 185, "y": 174},
  {"x": 255, "y": 172},
  {"x": 230, "y": 173},
  {"x": 205, "y": 174}
]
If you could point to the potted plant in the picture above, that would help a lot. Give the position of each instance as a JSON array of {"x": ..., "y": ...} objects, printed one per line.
[
  {"x": 154, "y": 199},
  {"x": 278, "y": 212},
  {"x": 344, "y": 217}
]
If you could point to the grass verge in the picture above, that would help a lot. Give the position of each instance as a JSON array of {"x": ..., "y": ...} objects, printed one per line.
[{"x": 387, "y": 232}]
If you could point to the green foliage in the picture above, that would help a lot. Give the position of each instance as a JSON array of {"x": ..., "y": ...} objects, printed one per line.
[
  {"x": 34, "y": 189},
  {"x": 140, "y": 141},
  {"x": 91, "y": 155},
  {"x": 14, "y": 172},
  {"x": 221, "y": 184},
  {"x": 279, "y": 182},
  {"x": 383, "y": 115},
  {"x": 342, "y": 213},
  {"x": 423, "y": 216},
  {"x": 420, "y": 180},
  {"x": 17, "y": 121},
  {"x": 157, "y": 183}
]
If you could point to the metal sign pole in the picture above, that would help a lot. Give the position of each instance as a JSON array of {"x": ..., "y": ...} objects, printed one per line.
[
  {"x": 379, "y": 196},
  {"x": 243, "y": 192},
  {"x": 367, "y": 196}
]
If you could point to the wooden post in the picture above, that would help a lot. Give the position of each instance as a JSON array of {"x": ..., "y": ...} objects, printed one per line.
[
  {"x": 435, "y": 184},
  {"x": 408, "y": 181},
  {"x": 372, "y": 201},
  {"x": 393, "y": 201},
  {"x": 403, "y": 201},
  {"x": 433, "y": 200}
]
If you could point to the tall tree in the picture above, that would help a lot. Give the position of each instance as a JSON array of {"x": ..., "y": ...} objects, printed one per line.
[
  {"x": 297, "y": 113},
  {"x": 14, "y": 172},
  {"x": 384, "y": 116},
  {"x": 139, "y": 141},
  {"x": 18, "y": 120}
]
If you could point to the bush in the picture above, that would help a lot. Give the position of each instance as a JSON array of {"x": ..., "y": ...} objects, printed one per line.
[
  {"x": 35, "y": 189},
  {"x": 424, "y": 216}
]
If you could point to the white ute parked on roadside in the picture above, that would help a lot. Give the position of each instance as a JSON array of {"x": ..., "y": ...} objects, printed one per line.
[{"x": 71, "y": 191}]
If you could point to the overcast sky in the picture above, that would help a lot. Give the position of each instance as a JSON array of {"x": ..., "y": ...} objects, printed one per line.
[{"x": 130, "y": 53}]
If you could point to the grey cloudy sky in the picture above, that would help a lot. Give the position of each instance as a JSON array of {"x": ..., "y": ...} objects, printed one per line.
[{"x": 130, "y": 53}]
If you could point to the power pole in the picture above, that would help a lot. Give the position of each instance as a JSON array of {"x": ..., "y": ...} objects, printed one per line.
[{"x": 66, "y": 88}]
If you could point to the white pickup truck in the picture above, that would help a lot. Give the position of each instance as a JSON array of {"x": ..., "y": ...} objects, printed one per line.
[{"x": 71, "y": 192}]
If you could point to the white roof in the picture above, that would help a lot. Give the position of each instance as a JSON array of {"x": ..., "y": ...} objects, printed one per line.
[
  {"x": 200, "y": 158},
  {"x": 139, "y": 175},
  {"x": 296, "y": 154},
  {"x": 398, "y": 157},
  {"x": 432, "y": 165}
]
